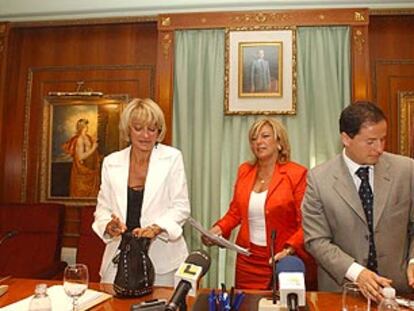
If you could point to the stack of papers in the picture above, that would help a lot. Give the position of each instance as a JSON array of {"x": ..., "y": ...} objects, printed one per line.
[
  {"x": 219, "y": 240},
  {"x": 62, "y": 302}
]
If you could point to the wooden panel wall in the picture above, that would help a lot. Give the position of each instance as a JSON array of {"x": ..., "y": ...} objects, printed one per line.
[
  {"x": 136, "y": 58},
  {"x": 392, "y": 65},
  {"x": 110, "y": 58}
]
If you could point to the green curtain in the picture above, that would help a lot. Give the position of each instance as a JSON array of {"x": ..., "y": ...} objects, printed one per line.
[
  {"x": 214, "y": 145},
  {"x": 198, "y": 125}
]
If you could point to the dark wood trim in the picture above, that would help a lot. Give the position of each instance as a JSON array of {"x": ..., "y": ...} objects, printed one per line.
[
  {"x": 4, "y": 35},
  {"x": 391, "y": 12},
  {"x": 85, "y": 22}
]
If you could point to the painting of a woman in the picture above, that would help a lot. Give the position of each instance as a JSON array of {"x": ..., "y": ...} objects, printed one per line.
[{"x": 85, "y": 171}]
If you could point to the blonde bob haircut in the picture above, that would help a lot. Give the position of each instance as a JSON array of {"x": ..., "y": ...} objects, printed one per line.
[
  {"x": 147, "y": 112},
  {"x": 280, "y": 136}
]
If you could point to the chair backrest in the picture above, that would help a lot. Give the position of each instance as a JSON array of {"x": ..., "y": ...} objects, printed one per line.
[
  {"x": 37, "y": 245},
  {"x": 90, "y": 246}
]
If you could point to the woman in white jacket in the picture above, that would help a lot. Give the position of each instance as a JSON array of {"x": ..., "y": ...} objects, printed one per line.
[{"x": 143, "y": 190}]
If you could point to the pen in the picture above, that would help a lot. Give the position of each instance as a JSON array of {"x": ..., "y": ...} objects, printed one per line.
[
  {"x": 231, "y": 297},
  {"x": 223, "y": 288},
  {"x": 238, "y": 300},
  {"x": 212, "y": 301}
]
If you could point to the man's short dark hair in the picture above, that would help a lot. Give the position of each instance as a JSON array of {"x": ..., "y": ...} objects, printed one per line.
[{"x": 356, "y": 115}]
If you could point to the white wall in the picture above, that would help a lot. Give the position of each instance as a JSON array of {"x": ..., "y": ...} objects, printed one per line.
[{"x": 31, "y": 10}]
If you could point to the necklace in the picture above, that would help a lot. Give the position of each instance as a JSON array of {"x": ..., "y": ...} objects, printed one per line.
[{"x": 263, "y": 178}]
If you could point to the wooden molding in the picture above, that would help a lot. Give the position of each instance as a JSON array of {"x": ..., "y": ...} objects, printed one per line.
[
  {"x": 391, "y": 12},
  {"x": 164, "y": 76},
  {"x": 4, "y": 31},
  {"x": 263, "y": 18},
  {"x": 86, "y": 21},
  {"x": 361, "y": 87}
]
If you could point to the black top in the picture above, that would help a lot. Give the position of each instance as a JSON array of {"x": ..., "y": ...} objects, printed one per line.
[{"x": 134, "y": 206}]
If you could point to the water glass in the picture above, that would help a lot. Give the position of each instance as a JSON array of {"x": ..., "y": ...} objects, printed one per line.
[
  {"x": 75, "y": 282},
  {"x": 353, "y": 299}
]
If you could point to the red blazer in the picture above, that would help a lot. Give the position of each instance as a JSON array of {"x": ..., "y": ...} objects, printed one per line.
[{"x": 282, "y": 210}]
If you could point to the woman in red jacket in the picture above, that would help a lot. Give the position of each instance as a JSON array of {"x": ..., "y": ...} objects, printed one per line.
[{"x": 267, "y": 196}]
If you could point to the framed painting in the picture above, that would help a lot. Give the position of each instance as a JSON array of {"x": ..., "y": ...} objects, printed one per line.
[
  {"x": 260, "y": 73},
  {"x": 78, "y": 131},
  {"x": 406, "y": 123},
  {"x": 260, "y": 69}
]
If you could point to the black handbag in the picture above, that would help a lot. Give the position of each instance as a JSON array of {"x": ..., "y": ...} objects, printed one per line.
[{"x": 135, "y": 274}]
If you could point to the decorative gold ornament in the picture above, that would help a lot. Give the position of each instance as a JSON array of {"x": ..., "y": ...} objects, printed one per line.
[
  {"x": 359, "y": 41},
  {"x": 166, "y": 21}
]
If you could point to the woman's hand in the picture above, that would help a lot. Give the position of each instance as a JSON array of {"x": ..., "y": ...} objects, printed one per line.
[
  {"x": 285, "y": 252},
  {"x": 147, "y": 232},
  {"x": 115, "y": 227},
  {"x": 214, "y": 230}
]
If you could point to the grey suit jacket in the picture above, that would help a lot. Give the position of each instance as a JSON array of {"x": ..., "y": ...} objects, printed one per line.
[{"x": 335, "y": 227}]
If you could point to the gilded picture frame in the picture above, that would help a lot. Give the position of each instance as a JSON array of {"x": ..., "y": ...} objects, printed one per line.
[
  {"x": 77, "y": 132},
  {"x": 260, "y": 69},
  {"x": 260, "y": 72},
  {"x": 406, "y": 123}
]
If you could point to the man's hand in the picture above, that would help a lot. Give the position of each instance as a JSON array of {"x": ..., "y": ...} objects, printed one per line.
[
  {"x": 147, "y": 232},
  {"x": 410, "y": 274},
  {"x": 371, "y": 284}
]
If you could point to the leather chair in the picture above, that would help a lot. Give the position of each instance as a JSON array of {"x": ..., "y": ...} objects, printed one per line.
[
  {"x": 90, "y": 246},
  {"x": 31, "y": 240}
]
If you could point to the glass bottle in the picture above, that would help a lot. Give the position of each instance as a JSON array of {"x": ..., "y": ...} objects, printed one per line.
[
  {"x": 41, "y": 300},
  {"x": 388, "y": 303}
]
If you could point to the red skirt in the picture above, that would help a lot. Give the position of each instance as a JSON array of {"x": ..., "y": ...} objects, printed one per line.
[{"x": 254, "y": 271}]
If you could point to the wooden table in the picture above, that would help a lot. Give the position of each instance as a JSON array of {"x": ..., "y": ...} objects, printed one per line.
[{"x": 21, "y": 288}]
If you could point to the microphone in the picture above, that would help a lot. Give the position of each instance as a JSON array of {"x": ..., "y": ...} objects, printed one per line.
[
  {"x": 291, "y": 271},
  {"x": 186, "y": 278},
  {"x": 8, "y": 235},
  {"x": 266, "y": 304}
]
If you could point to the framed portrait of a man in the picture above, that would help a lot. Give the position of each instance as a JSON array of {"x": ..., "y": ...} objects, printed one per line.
[
  {"x": 260, "y": 73},
  {"x": 260, "y": 68}
]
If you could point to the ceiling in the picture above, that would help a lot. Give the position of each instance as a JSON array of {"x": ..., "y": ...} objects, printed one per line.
[{"x": 35, "y": 10}]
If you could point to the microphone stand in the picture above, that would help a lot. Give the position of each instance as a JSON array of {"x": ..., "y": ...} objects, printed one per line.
[
  {"x": 272, "y": 252},
  {"x": 183, "y": 304},
  {"x": 8, "y": 235}
]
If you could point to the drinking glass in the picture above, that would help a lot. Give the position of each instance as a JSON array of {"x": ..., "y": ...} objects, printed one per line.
[
  {"x": 75, "y": 282},
  {"x": 353, "y": 299}
]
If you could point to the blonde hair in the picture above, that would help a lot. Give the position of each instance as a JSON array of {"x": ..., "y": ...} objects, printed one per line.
[
  {"x": 280, "y": 136},
  {"x": 146, "y": 111}
]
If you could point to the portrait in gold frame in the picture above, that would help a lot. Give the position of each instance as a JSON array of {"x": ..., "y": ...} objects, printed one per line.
[
  {"x": 279, "y": 43},
  {"x": 70, "y": 124},
  {"x": 406, "y": 123}
]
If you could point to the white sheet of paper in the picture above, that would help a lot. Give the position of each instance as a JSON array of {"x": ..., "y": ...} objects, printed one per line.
[
  {"x": 217, "y": 239},
  {"x": 60, "y": 301}
]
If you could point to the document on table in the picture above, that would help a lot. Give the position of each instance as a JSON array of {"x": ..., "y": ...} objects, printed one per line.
[
  {"x": 60, "y": 301},
  {"x": 219, "y": 240}
]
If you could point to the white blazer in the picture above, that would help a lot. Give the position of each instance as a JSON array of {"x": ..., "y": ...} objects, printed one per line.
[{"x": 165, "y": 204}]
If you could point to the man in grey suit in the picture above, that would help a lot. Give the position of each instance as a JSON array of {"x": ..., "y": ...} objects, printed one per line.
[
  {"x": 358, "y": 209},
  {"x": 260, "y": 74}
]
